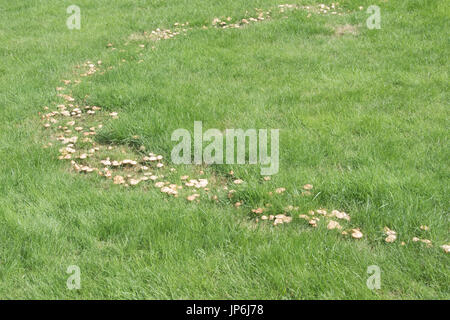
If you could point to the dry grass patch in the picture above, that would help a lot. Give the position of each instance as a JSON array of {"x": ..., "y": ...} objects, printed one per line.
[{"x": 346, "y": 29}]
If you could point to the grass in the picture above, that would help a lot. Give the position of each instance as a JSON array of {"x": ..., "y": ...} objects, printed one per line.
[{"x": 363, "y": 117}]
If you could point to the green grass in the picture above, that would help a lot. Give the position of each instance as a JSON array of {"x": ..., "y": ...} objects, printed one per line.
[{"x": 364, "y": 118}]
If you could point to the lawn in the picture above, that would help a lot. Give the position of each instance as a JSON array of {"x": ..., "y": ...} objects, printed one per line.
[{"x": 362, "y": 115}]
